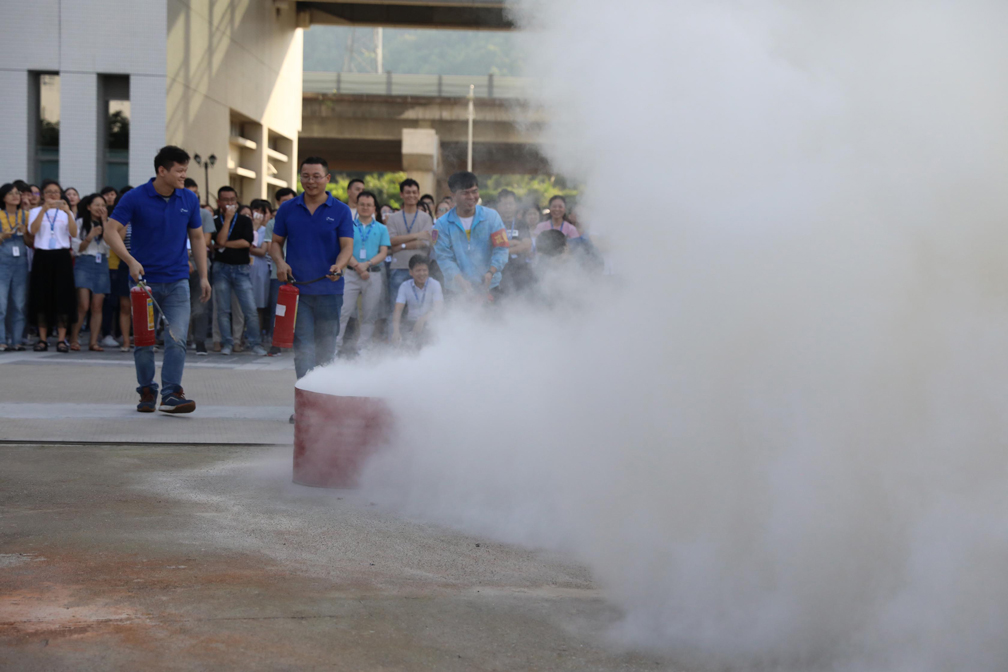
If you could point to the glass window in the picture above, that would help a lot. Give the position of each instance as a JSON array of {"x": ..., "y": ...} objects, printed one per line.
[
  {"x": 48, "y": 127},
  {"x": 117, "y": 144}
]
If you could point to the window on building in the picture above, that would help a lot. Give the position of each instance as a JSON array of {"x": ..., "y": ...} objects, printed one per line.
[
  {"x": 47, "y": 142},
  {"x": 117, "y": 143}
]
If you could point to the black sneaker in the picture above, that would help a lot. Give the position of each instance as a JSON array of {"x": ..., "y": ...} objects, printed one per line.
[
  {"x": 177, "y": 403},
  {"x": 201, "y": 349},
  {"x": 274, "y": 351},
  {"x": 148, "y": 397}
]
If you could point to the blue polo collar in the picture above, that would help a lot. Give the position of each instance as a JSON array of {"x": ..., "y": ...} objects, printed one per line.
[
  {"x": 153, "y": 193},
  {"x": 299, "y": 199}
]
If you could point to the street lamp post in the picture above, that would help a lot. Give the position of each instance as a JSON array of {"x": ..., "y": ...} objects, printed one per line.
[
  {"x": 210, "y": 161},
  {"x": 472, "y": 114}
]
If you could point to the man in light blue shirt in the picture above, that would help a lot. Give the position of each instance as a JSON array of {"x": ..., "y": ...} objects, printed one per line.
[
  {"x": 472, "y": 243},
  {"x": 371, "y": 244}
]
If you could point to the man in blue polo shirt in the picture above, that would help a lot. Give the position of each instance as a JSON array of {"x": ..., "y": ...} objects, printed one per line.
[
  {"x": 318, "y": 231},
  {"x": 163, "y": 213}
]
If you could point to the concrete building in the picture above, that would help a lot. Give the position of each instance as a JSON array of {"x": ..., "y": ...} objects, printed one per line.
[{"x": 92, "y": 89}]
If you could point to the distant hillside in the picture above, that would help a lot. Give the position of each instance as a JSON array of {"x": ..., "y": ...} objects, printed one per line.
[{"x": 432, "y": 52}]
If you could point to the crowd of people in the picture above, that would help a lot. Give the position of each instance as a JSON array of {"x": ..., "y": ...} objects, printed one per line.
[{"x": 60, "y": 280}]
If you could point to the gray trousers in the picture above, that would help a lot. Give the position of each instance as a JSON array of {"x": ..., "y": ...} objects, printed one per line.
[{"x": 370, "y": 293}]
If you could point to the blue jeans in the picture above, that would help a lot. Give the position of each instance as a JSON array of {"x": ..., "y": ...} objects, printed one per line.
[
  {"x": 173, "y": 297},
  {"x": 235, "y": 278},
  {"x": 396, "y": 278},
  {"x": 13, "y": 294},
  {"x": 315, "y": 332}
]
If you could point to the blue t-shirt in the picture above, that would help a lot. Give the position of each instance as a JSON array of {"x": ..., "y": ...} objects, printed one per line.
[
  {"x": 368, "y": 239},
  {"x": 160, "y": 229},
  {"x": 312, "y": 240}
]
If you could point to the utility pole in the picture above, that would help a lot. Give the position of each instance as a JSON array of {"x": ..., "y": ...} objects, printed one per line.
[
  {"x": 378, "y": 37},
  {"x": 472, "y": 115}
]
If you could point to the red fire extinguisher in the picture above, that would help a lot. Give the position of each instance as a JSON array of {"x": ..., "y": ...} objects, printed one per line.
[
  {"x": 286, "y": 316},
  {"x": 143, "y": 317}
]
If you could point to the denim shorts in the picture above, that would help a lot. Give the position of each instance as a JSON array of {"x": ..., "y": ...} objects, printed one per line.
[{"x": 91, "y": 274}]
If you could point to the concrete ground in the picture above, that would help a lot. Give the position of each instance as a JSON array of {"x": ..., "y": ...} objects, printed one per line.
[{"x": 199, "y": 553}]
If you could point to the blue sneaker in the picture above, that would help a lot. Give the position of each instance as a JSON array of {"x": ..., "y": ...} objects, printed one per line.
[
  {"x": 148, "y": 397},
  {"x": 177, "y": 403}
]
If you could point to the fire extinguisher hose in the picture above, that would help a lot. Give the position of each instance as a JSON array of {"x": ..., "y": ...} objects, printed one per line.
[{"x": 331, "y": 276}]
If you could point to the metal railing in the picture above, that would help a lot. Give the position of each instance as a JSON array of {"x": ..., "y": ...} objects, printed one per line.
[{"x": 391, "y": 84}]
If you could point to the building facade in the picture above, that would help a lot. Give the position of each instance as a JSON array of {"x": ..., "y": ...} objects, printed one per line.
[{"x": 92, "y": 89}]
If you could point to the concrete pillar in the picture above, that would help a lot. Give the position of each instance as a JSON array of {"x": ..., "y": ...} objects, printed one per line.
[
  {"x": 79, "y": 119},
  {"x": 258, "y": 133},
  {"x": 148, "y": 119},
  {"x": 18, "y": 143},
  {"x": 421, "y": 157}
]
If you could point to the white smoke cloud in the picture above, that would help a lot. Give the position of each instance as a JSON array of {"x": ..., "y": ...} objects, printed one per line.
[{"x": 779, "y": 441}]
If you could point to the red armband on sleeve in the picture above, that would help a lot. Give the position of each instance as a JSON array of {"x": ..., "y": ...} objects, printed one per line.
[{"x": 499, "y": 238}]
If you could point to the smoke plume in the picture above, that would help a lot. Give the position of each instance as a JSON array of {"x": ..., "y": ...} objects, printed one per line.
[{"x": 778, "y": 435}]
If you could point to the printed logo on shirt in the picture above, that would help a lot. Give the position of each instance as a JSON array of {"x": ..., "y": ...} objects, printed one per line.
[
  {"x": 183, "y": 210},
  {"x": 330, "y": 219}
]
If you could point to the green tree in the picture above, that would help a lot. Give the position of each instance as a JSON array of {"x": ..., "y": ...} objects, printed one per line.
[{"x": 384, "y": 185}]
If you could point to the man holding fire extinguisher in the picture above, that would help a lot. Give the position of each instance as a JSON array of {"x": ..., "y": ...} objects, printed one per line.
[
  {"x": 163, "y": 213},
  {"x": 318, "y": 231}
]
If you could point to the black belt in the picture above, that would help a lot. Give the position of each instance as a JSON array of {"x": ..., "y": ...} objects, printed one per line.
[{"x": 375, "y": 268}]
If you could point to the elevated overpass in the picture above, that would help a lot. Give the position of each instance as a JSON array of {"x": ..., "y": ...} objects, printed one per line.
[
  {"x": 461, "y": 14},
  {"x": 419, "y": 123}
]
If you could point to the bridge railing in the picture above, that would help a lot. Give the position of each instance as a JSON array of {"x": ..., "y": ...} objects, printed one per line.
[{"x": 392, "y": 84}]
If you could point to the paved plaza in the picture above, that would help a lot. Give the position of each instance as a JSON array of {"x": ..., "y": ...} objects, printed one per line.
[{"x": 132, "y": 541}]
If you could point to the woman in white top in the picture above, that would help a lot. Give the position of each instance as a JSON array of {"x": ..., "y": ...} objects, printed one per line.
[
  {"x": 52, "y": 296},
  {"x": 91, "y": 269}
]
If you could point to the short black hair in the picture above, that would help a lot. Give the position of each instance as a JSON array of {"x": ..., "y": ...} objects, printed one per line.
[
  {"x": 21, "y": 185},
  {"x": 504, "y": 193},
  {"x": 189, "y": 182},
  {"x": 261, "y": 204},
  {"x": 47, "y": 182},
  {"x": 461, "y": 181},
  {"x": 315, "y": 161},
  {"x": 418, "y": 260},
  {"x": 427, "y": 197},
  {"x": 108, "y": 190},
  {"x": 168, "y": 156},
  {"x": 6, "y": 189},
  {"x": 352, "y": 181},
  {"x": 368, "y": 194},
  {"x": 551, "y": 243},
  {"x": 558, "y": 197},
  {"x": 226, "y": 187},
  {"x": 408, "y": 182},
  {"x": 284, "y": 191}
]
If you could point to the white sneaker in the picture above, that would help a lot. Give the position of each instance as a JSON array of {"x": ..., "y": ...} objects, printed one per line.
[
  {"x": 259, "y": 351},
  {"x": 109, "y": 342},
  {"x": 226, "y": 350}
]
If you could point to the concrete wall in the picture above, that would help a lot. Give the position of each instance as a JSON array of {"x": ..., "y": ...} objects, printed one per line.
[
  {"x": 81, "y": 41},
  {"x": 234, "y": 63}
]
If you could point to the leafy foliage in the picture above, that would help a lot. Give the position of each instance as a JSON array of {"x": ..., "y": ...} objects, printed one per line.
[{"x": 531, "y": 190}]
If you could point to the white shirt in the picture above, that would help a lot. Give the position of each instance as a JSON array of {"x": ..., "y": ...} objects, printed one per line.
[
  {"x": 95, "y": 248},
  {"x": 467, "y": 222},
  {"x": 54, "y": 231},
  {"x": 420, "y": 301}
]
